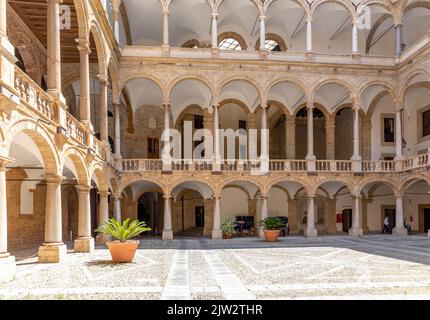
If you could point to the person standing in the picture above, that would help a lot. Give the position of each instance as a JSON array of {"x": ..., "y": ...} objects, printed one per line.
[{"x": 386, "y": 226}]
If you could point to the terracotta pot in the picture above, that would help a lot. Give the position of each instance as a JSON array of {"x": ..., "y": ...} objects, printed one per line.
[
  {"x": 271, "y": 235},
  {"x": 227, "y": 236},
  {"x": 122, "y": 252}
]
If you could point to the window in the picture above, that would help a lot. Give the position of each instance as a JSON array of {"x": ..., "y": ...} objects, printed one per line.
[
  {"x": 272, "y": 45},
  {"x": 153, "y": 148},
  {"x": 229, "y": 44},
  {"x": 389, "y": 129},
  {"x": 198, "y": 122},
  {"x": 426, "y": 123},
  {"x": 242, "y": 124}
]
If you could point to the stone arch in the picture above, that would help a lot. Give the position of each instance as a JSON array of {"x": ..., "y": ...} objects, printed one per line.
[
  {"x": 235, "y": 101},
  {"x": 305, "y": 6},
  {"x": 405, "y": 84},
  {"x": 191, "y": 44},
  {"x": 82, "y": 14},
  {"x": 123, "y": 82},
  {"x": 179, "y": 79},
  {"x": 251, "y": 81},
  {"x": 388, "y": 88},
  {"x": 234, "y": 35},
  {"x": 184, "y": 112},
  {"x": 385, "y": 181},
  {"x": 78, "y": 160},
  {"x": 42, "y": 139},
  {"x": 277, "y": 38},
  {"x": 410, "y": 180},
  {"x": 297, "y": 82},
  {"x": 318, "y": 106},
  {"x": 124, "y": 184},
  {"x": 304, "y": 185},
  {"x": 101, "y": 49},
  {"x": 340, "y": 82},
  {"x": 97, "y": 170},
  {"x": 345, "y": 4},
  {"x": 200, "y": 182},
  {"x": 340, "y": 180}
]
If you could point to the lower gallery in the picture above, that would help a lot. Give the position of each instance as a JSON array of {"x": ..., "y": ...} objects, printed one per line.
[{"x": 89, "y": 88}]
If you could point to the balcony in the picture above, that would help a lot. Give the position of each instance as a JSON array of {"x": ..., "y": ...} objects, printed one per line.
[{"x": 294, "y": 166}]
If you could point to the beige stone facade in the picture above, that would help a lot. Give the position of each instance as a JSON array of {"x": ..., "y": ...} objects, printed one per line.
[{"x": 81, "y": 125}]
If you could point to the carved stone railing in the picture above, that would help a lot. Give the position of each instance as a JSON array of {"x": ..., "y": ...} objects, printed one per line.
[
  {"x": 334, "y": 166},
  {"x": 76, "y": 130},
  {"x": 33, "y": 96}
]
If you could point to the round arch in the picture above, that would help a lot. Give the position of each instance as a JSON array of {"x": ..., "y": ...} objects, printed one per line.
[{"x": 78, "y": 160}]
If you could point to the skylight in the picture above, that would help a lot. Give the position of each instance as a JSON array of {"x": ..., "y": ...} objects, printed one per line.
[
  {"x": 229, "y": 44},
  {"x": 272, "y": 45}
]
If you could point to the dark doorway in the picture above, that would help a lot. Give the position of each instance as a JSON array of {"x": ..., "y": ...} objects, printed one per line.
[
  {"x": 200, "y": 216},
  {"x": 346, "y": 220},
  {"x": 94, "y": 202},
  {"x": 426, "y": 219},
  {"x": 391, "y": 214}
]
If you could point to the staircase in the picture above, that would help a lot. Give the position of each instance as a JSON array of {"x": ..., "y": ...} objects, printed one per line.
[{"x": 192, "y": 232}]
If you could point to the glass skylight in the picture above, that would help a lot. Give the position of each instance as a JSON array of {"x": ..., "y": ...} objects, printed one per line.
[{"x": 229, "y": 44}]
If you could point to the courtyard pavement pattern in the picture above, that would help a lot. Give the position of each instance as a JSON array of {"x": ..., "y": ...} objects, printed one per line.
[{"x": 328, "y": 267}]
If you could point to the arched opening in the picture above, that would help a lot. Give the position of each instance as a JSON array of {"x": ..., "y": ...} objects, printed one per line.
[
  {"x": 417, "y": 205},
  {"x": 301, "y": 133}
]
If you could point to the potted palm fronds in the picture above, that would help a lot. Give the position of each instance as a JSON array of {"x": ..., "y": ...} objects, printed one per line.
[
  {"x": 228, "y": 228},
  {"x": 123, "y": 249},
  {"x": 272, "y": 228}
]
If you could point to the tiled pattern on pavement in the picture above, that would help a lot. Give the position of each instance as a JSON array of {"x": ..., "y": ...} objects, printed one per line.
[{"x": 328, "y": 267}]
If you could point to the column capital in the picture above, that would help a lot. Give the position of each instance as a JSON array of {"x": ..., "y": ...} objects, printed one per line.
[
  {"x": 4, "y": 161},
  {"x": 168, "y": 197},
  {"x": 309, "y": 19},
  {"x": 165, "y": 12},
  {"x": 264, "y": 196},
  {"x": 357, "y": 196},
  {"x": 311, "y": 197},
  {"x": 103, "y": 194},
  {"x": 103, "y": 78},
  {"x": 310, "y": 105},
  {"x": 262, "y": 17},
  {"x": 51, "y": 178},
  {"x": 83, "y": 188},
  {"x": 214, "y": 15},
  {"x": 356, "y": 107},
  {"x": 84, "y": 47},
  {"x": 216, "y": 196}
]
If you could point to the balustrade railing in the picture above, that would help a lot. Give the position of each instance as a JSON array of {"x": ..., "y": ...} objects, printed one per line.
[
  {"x": 335, "y": 166},
  {"x": 33, "y": 96},
  {"x": 76, "y": 130}
]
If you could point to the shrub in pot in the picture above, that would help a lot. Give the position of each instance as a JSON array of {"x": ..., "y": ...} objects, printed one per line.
[
  {"x": 228, "y": 228},
  {"x": 123, "y": 249},
  {"x": 272, "y": 227}
]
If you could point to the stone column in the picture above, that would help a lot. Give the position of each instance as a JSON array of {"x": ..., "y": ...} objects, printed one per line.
[
  {"x": 103, "y": 215},
  {"x": 310, "y": 155},
  {"x": 166, "y": 157},
  {"x": 54, "y": 50},
  {"x": 7, "y": 262},
  {"x": 264, "y": 134},
  {"x": 400, "y": 229},
  {"x": 310, "y": 230},
  {"x": 216, "y": 133},
  {"x": 252, "y": 210},
  {"x": 3, "y": 18},
  {"x": 331, "y": 204},
  {"x": 264, "y": 213},
  {"x": 356, "y": 155},
  {"x": 293, "y": 216},
  {"x": 399, "y": 137},
  {"x": 117, "y": 129},
  {"x": 399, "y": 36},
  {"x": 290, "y": 132},
  {"x": 356, "y": 230},
  {"x": 117, "y": 207},
  {"x": 116, "y": 12},
  {"x": 355, "y": 37},
  {"x": 330, "y": 127},
  {"x": 167, "y": 229},
  {"x": 103, "y": 110},
  {"x": 85, "y": 241},
  {"x": 214, "y": 30},
  {"x": 53, "y": 249},
  {"x": 217, "y": 232},
  {"x": 262, "y": 33},
  {"x": 165, "y": 14},
  {"x": 84, "y": 101},
  {"x": 367, "y": 139},
  {"x": 364, "y": 224},
  {"x": 309, "y": 35}
]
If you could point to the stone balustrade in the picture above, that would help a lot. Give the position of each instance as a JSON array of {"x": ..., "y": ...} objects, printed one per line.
[{"x": 334, "y": 166}]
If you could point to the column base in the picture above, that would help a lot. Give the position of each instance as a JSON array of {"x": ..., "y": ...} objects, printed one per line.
[
  {"x": 84, "y": 245},
  {"x": 261, "y": 233},
  {"x": 167, "y": 235},
  {"x": 101, "y": 239},
  {"x": 215, "y": 52},
  {"x": 263, "y": 54},
  {"x": 216, "y": 234},
  {"x": 52, "y": 253},
  {"x": 402, "y": 231},
  {"x": 355, "y": 232},
  {"x": 311, "y": 233},
  {"x": 7, "y": 267}
]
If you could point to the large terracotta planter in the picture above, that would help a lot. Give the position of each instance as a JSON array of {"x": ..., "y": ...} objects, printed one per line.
[
  {"x": 271, "y": 235},
  {"x": 122, "y": 252}
]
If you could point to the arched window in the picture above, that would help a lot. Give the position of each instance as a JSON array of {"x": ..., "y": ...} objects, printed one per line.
[
  {"x": 229, "y": 44},
  {"x": 272, "y": 45},
  {"x": 20, "y": 63}
]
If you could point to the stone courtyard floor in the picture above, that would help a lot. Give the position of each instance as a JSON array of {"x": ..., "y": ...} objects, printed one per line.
[{"x": 328, "y": 267}]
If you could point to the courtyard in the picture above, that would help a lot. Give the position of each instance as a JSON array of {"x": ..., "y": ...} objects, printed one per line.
[{"x": 328, "y": 267}]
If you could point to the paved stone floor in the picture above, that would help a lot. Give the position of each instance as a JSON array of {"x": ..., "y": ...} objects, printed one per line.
[{"x": 329, "y": 267}]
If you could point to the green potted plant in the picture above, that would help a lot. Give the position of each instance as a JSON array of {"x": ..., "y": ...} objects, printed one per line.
[
  {"x": 123, "y": 249},
  {"x": 228, "y": 228},
  {"x": 272, "y": 227}
]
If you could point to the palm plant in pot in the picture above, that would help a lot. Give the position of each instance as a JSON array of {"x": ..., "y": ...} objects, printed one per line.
[
  {"x": 228, "y": 228},
  {"x": 123, "y": 249},
  {"x": 272, "y": 228}
]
